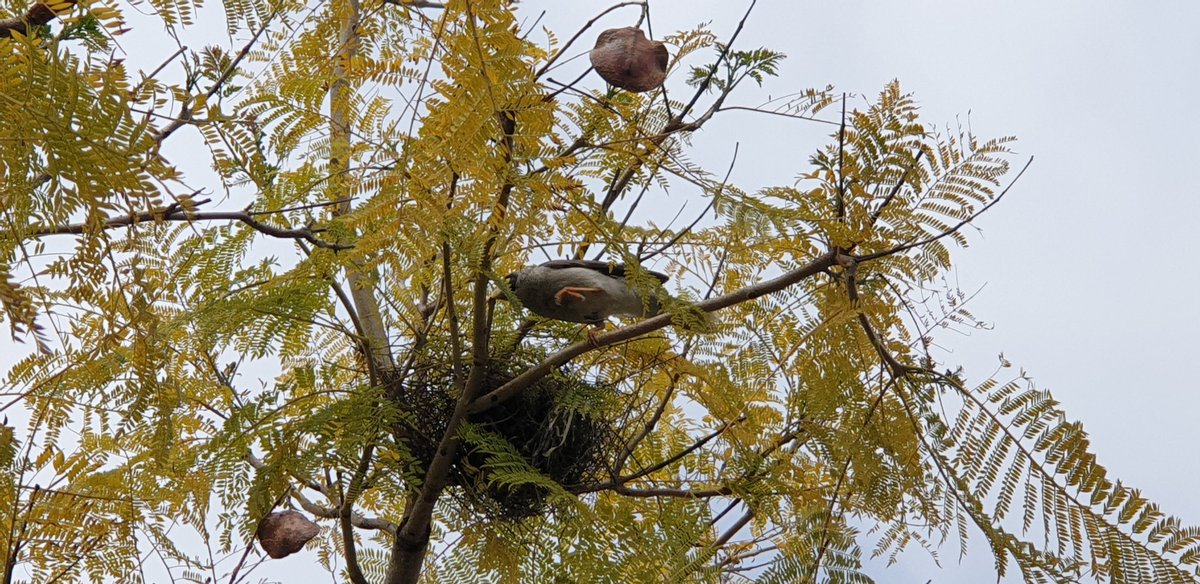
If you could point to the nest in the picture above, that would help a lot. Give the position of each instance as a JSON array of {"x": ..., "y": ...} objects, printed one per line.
[{"x": 549, "y": 427}]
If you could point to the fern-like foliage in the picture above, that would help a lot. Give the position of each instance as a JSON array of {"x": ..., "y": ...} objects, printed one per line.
[{"x": 304, "y": 321}]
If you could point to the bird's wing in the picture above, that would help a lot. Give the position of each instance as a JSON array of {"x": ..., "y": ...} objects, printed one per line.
[{"x": 615, "y": 270}]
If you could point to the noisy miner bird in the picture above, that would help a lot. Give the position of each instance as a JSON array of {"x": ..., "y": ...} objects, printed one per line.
[{"x": 583, "y": 291}]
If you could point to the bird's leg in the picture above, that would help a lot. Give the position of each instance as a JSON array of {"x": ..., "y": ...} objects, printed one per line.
[
  {"x": 575, "y": 292},
  {"x": 593, "y": 330}
]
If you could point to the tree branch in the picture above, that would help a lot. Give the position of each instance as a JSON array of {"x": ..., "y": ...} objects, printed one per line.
[
  {"x": 673, "y": 126},
  {"x": 631, "y": 445},
  {"x": 530, "y": 376},
  {"x": 346, "y": 519},
  {"x": 37, "y": 15},
  {"x": 412, "y": 539},
  {"x": 416, "y": 3},
  {"x": 677, "y": 493},
  {"x": 357, "y": 519},
  {"x": 360, "y": 281},
  {"x": 703, "y": 87},
  {"x": 185, "y": 114},
  {"x": 177, "y": 212},
  {"x": 546, "y": 66},
  {"x": 681, "y": 454}
]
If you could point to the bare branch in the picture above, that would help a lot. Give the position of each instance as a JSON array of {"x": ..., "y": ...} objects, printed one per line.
[
  {"x": 360, "y": 281},
  {"x": 733, "y": 529},
  {"x": 456, "y": 360},
  {"x": 160, "y": 67},
  {"x": 677, "y": 493},
  {"x": 703, "y": 87},
  {"x": 233, "y": 576},
  {"x": 185, "y": 115},
  {"x": 177, "y": 212},
  {"x": 357, "y": 519},
  {"x": 416, "y": 3},
  {"x": 682, "y": 453},
  {"x": 546, "y": 66}
]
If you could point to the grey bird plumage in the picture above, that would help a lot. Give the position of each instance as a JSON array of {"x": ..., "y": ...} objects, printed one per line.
[{"x": 582, "y": 291}]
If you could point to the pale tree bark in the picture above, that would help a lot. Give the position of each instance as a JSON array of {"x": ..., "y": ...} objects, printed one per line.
[
  {"x": 365, "y": 307},
  {"x": 374, "y": 335}
]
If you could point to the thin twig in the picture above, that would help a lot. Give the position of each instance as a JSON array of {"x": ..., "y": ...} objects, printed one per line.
[
  {"x": 234, "y": 574},
  {"x": 682, "y": 453},
  {"x": 953, "y": 229},
  {"x": 546, "y": 66},
  {"x": 648, "y": 427},
  {"x": 158, "y": 69},
  {"x": 712, "y": 201},
  {"x": 357, "y": 519},
  {"x": 345, "y": 201},
  {"x": 676, "y": 493},
  {"x": 456, "y": 360},
  {"x": 185, "y": 115},
  {"x": 775, "y": 113},
  {"x": 895, "y": 189},
  {"x": 840, "y": 203},
  {"x": 703, "y": 87},
  {"x": 416, "y": 3},
  {"x": 673, "y": 126}
]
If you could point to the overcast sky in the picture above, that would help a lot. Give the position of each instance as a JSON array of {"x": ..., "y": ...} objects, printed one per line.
[{"x": 1086, "y": 268}]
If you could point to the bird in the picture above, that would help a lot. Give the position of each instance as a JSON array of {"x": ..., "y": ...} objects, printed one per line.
[{"x": 584, "y": 291}]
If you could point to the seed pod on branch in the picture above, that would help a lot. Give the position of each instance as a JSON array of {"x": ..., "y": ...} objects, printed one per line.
[
  {"x": 284, "y": 533},
  {"x": 624, "y": 57}
]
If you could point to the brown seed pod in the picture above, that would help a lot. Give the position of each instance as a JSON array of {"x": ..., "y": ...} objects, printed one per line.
[
  {"x": 624, "y": 57},
  {"x": 284, "y": 533}
]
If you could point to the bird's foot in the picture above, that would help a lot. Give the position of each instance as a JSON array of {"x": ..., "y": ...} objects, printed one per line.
[
  {"x": 575, "y": 292},
  {"x": 592, "y": 331}
]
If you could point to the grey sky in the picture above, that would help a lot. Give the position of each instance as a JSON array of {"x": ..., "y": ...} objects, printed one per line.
[
  {"x": 1084, "y": 267},
  {"x": 1087, "y": 260},
  {"x": 1087, "y": 263}
]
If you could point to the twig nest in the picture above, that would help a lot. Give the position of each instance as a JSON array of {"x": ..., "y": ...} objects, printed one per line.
[
  {"x": 624, "y": 57},
  {"x": 284, "y": 533}
]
